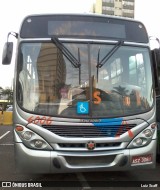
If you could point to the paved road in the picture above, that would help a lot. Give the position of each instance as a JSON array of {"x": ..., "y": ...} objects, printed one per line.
[{"x": 78, "y": 181}]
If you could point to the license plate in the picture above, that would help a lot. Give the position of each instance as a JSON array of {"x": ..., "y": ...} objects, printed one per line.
[{"x": 141, "y": 159}]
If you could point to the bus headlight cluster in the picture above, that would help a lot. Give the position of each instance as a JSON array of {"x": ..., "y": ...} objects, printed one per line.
[
  {"x": 143, "y": 138},
  {"x": 31, "y": 139}
]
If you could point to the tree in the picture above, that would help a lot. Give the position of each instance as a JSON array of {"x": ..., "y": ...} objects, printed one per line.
[
  {"x": 120, "y": 90},
  {"x": 9, "y": 93}
]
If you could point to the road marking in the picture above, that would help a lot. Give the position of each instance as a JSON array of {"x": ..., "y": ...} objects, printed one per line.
[
  {"x": 6, "y": 144},
  {"x": 4, "y": 134},
  {"x": 83, "y": 181}
]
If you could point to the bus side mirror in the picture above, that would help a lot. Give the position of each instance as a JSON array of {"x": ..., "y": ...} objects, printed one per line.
[{"x": 7, "y": 53}]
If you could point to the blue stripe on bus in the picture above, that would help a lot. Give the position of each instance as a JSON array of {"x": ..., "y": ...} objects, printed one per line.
[
  {"x": 108, "y": 122},
  {"x": 109, "y": 127}
]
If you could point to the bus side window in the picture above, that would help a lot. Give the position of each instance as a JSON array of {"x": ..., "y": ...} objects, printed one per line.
[
  {"x": 136, "y": 68},
  {"x": 156, "y": 71}
]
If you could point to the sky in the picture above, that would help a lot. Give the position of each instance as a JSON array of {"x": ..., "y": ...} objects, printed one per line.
[{"x": 12, "y": 13}]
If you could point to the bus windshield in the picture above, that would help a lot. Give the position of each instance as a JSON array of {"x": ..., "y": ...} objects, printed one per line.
[{"x": 50, "y": 84}]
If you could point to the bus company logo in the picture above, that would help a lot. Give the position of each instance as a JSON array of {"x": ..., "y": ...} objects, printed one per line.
[{"x": 91, "y": 145}]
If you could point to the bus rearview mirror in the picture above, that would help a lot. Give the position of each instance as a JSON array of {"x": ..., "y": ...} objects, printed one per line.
[{"x": 7, "y": 53}]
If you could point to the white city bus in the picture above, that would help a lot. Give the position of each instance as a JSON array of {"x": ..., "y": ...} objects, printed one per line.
[{"x": 84, "y": 94}]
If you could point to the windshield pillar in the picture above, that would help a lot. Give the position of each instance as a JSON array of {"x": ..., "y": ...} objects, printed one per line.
[{"x": 90, "y": 81}]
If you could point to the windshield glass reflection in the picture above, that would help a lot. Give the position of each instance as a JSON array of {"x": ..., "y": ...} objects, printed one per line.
[{"x": 50, "y": 84}]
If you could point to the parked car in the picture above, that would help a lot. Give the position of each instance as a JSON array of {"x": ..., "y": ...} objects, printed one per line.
[{"x": 10, "y": 108}]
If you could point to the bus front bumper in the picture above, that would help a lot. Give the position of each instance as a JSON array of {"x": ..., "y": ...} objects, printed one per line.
[{"x": 39, "y": 161}]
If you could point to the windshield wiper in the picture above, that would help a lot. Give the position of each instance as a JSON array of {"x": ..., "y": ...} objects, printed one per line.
[
  {"x": 76, "y": 63},
  {"x": 107, "y": 56}
]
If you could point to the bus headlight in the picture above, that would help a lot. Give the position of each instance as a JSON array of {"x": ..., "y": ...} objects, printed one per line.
[
  {"x": 147, "y": 133},
  {"x": 27, "y": 135},
  {"x": 31, "y": 139},
  {"x": 143, "y": 138},
  {"x": 138, "y": 141},
  {"x": 38, "y": 143}
]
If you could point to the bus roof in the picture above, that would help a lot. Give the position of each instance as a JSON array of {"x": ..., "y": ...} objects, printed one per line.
[{"x": 86, "y": 26}]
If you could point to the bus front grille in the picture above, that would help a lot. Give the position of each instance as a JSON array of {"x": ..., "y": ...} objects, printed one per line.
[
  {"x": 87, "y": 131},
  {"x": 90, "y": 160},
  {"x": 83, "y": 145}
]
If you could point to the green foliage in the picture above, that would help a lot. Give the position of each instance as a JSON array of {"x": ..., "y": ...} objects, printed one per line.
[{"x": 8, "y": 93}]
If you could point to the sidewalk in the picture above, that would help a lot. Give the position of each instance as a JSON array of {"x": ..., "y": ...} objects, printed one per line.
[{"x": 6, "y": 118}]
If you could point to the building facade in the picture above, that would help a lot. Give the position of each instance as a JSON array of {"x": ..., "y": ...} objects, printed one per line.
[
  {"x": 123, "y": 8},
  {"x": 51, "y": 71}
]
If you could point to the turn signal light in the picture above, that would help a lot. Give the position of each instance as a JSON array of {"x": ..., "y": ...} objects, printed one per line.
[
  {"x": 19, "y": 128},
  {"x": 154, "y": 125}
]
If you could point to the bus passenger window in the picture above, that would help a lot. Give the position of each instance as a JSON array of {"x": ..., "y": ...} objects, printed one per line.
[
  {"x": 116, "y": 71},
  {"x": 136, "y": 68}
]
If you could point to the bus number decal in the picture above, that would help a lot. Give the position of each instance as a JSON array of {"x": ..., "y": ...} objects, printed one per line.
[
  {"x": 40, "y": 120},
  {"x": 126, "y": 99},
  {"x": 96, "y": 95}
]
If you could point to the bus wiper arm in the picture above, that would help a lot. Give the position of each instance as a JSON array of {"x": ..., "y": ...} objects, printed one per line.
[
  {"x": 76, "y": 63},
  {"x": 109, "y": 54}
]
